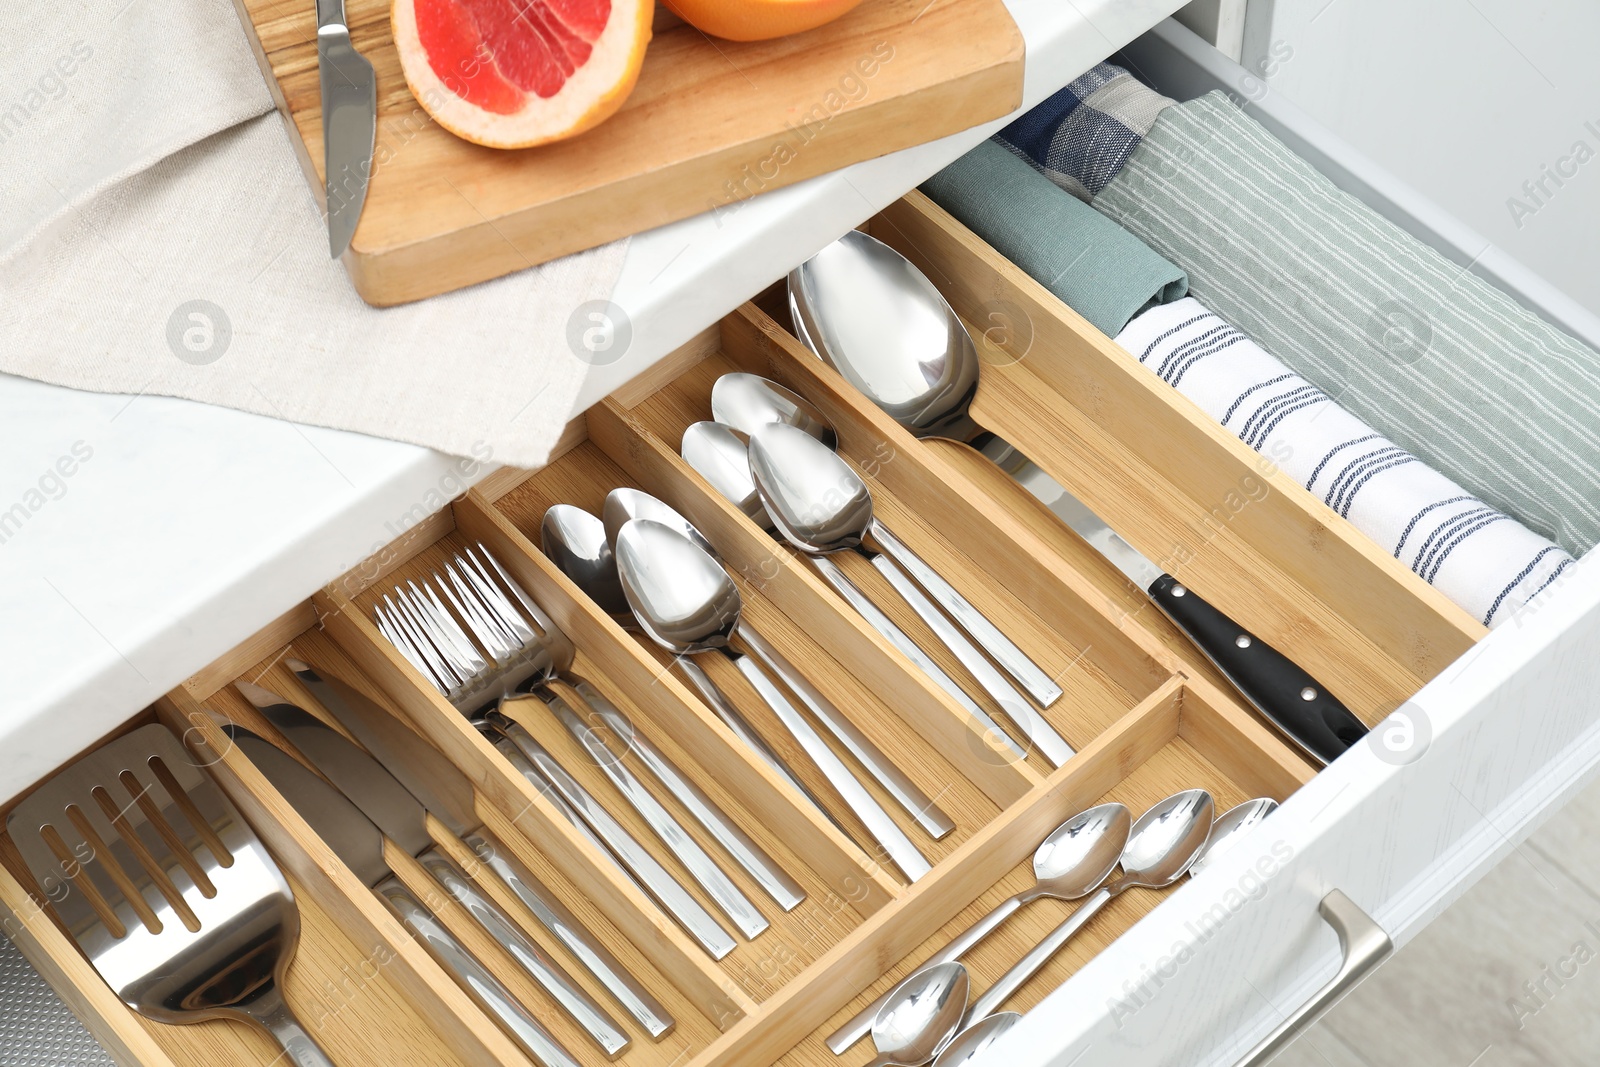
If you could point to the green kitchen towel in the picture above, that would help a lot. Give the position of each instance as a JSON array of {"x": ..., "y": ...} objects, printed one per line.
[
  {"x": 1435, "y": 358},
  {"x": 1097, "y": 268}
]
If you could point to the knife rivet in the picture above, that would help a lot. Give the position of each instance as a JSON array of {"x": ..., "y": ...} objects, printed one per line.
[
  {"x": 1308, "y": 693},
  {"x": 1179, "y": 590},
  {"x": 1243, "y": 640}
]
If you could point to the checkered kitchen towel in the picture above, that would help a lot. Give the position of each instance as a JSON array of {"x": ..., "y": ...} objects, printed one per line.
[
  {"x": 1482, "y": 559},
  {"x": 1080, "y": 137},
  {"x": 1450, "y": 368}
]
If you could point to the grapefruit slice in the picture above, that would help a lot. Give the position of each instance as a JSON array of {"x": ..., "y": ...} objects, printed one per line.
[
  {"x": 518, "y": 73},
  {"x": 757, "y": 20}
]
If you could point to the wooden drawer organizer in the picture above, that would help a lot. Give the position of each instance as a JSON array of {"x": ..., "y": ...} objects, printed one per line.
[{"x": 1146, "y": 715}]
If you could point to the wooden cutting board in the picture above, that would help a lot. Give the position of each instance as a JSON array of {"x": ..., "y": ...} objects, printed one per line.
[{"x": 710, "y": 124}]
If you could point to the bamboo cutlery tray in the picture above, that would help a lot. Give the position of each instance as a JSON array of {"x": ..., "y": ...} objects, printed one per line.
[{"x": 1146, "y": 715}]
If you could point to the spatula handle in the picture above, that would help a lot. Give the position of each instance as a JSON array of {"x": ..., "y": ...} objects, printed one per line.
[{"x": 273, "y": 1012}]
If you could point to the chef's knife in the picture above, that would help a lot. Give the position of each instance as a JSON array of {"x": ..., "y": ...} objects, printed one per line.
[
  {"x": 404, "y": 821},
  {"x": 349, "y": 123},
  {"x": 447, "y": 793},
  {"x": 359, "y": 844},
  {"x": 1297, "y": 703}
]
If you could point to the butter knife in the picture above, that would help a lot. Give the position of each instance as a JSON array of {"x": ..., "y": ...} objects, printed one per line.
[{"x": 349, "y": 123}]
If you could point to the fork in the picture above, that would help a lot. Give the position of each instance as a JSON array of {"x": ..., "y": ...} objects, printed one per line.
[
  {"x": 488, "y": 651},
  {"x": 165, "y": 887}
]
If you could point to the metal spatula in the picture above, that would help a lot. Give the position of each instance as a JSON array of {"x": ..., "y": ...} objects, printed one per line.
[{"x": 165, "y": 887}]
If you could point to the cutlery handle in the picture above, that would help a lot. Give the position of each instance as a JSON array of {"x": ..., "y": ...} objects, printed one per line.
[
  {"x": 564, "y": 926},
  {"x": 1278, "y": 687},
  {"x": 1034, "y": 729},
  {"x": 1017, "y": 977},
  {"x": 779, "y": 886},
  {"x": 274, "y": 1014},
  {"x": 473, "y": 977},
  {"x": 718, "y": 886},
  {"x": 656, "y": 879},
  {"x": 1016, "y": 662},
  {"x": 719, "y": 703},
  {"x": 860, "y": 1024},
  {"x": 894, "y": 781},
  {"x": 900, "y": 640},
  {"x": 541, "y": 968},
  {"x": 912, "y": 863}
]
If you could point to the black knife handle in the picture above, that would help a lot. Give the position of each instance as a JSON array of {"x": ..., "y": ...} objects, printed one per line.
[{"x": 1296, "y": 702}]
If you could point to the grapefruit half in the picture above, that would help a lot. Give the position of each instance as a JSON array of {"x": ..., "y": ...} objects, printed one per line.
[
  {"x": 519, "y": 73},
  {"x": 757, "y": 20}
]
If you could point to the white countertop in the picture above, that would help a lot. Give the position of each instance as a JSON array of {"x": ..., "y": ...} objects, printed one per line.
[{"x": 189, "y": 527}]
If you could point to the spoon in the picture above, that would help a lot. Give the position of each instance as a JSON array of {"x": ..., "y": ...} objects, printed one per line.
[
  {"x": 1164, "y": 842},
  {"x": 746, "y": 402},
  {"x": 1072, "y": 862},
  {"x": 822, "y": 506},
  {"x": 722, "y": 458},
  {"x": 687, "y": 603},
  {"x": 920, "y": 1015},
  {"x": 969, "y": 1044},
  {"x": 878, "y": 320},
  {"x": 576, "y": 542},
  {"x": 624, "y": 504},
  {"x": 1230, "y": 826}
]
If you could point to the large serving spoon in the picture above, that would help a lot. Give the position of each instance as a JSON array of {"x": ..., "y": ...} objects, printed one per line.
[
  {"x": 623, "y": 505},
  {"x": 868, "y": 311},
  {"x": 920, "y": 1016},
  {"x": 1164, "y": 842},
  {"x": 1077, "y": 857},
  {"x": 721, "y": 456},
  {"x": 965, "y": 1048},
  {"x": 687, "y": 603},
  {"x": 822, "y": 507},
  {"x": 747, "y": 402}
]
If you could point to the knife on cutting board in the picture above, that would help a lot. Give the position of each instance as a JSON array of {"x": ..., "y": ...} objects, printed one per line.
[
  {"x": 349, "y": 123},
  {"x": 358, "y": 842},
  {"x": 1300, "y": 706}
]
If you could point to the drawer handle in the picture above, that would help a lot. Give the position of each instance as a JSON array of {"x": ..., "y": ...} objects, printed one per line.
[{"x": 1364, "y": 945}]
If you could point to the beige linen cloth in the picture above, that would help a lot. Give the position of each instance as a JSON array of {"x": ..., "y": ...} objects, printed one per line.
[{"x": 158, "y": 237}]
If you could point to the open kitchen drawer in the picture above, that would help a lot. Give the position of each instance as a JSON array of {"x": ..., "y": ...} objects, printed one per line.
[{"x": 1503, "y": 726}]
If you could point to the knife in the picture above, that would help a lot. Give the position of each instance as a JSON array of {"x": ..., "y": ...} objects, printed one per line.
[
  {"x": 447, "y": 793},
  {"x": 403, "y": 820},
  {"x": 1310, "y": 716},
  {"x": 349, "y": 123},
  {"x": 359, "y": 844}
]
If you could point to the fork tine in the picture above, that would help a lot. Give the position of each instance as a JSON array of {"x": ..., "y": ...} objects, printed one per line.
[
  {"x": 455, "y": 666},
  {"x": 554, "y": 639},
  {"x": 495, "y": 604},
  {"x": 489, "y": 633},
  {"x": 447, "y": 634},
  {"x": 393, "y": 624}
]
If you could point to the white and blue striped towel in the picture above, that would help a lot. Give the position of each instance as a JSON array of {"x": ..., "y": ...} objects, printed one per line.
[{"x": 1484, "y": 560}]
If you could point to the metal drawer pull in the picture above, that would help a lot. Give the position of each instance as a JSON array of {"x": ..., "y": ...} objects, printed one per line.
[{"x": 1364, "y": 945}]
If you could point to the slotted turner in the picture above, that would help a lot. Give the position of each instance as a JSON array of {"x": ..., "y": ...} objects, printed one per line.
[{"x": 165, "y": 887}]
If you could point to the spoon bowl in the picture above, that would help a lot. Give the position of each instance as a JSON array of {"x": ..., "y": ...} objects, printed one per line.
[
  {"x": 816, "y": 500},
  {"x": 576, "y": 543},
  {"x": 1230, "y": 826},
  {"x": 681, "y": 596},
  {"x": 1081, "y": 853},
  {"x": 719, "y": 454},
  {"x": 748, "y": 402},
  {"x": 623, "y": 504},
  {"x": 1166, "y": 840},
  {"x": 870, "y": 313},
  {"x": 969, "y": 1044},
  {"x": 921, "y": 1015}
]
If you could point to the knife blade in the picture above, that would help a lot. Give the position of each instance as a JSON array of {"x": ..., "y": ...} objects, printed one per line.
[
  {"x": 359, "y": 844},
  {"x": 446, "y": 792},
  {"x": 349, "y": 123},
  {"x": 400, "y": 818},
  {"x": 1288, "y": 696}
]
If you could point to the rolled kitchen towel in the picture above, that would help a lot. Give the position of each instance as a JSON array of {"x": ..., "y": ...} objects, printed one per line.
[
  {"x": 1448, "y": 367},
  {"x": 1479, "y": 557},
  {"x": 1080, "y": 136},
  {"x": 1096, "y": 267}
]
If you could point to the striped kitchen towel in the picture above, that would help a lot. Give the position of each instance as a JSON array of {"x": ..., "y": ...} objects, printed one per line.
[
  {"x": 1447, "y": 366},
  {"x": 1081, "y": 136},
  {"x": 1484, "y": 560}
]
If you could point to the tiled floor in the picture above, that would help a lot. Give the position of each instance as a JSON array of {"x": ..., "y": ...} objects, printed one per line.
[{"x": 1508, "y": 976}]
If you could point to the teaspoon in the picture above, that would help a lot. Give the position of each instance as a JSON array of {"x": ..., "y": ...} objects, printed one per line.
[
  {"x": 920, "y": 1015},
  {"x": 976, "y": 1039}
]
